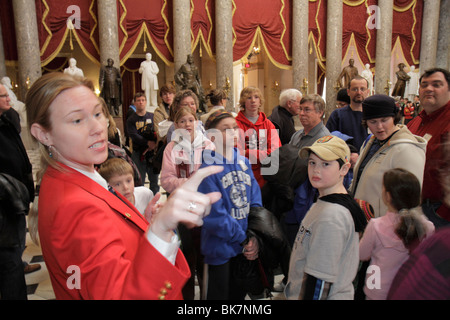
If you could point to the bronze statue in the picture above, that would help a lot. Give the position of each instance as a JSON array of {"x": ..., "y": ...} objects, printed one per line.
[
  {"x": 348, "y": 73},
  {"x": 111, "y": 87},
  {"x": 188, "y": 77},
  {"x": 400, "y": 85}
]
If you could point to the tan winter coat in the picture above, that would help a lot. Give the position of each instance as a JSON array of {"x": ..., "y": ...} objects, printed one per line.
[{"x": 403, "y": 150}]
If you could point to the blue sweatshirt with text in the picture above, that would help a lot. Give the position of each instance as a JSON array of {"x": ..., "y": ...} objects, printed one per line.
[{"x": 224, "y": 229}]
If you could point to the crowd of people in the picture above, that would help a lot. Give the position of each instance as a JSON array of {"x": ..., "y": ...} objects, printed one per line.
[{"x": 349, "y": 207}]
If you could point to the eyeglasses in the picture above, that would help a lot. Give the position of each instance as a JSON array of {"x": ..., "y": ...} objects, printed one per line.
[
  {"x": 358, "y": 89},
  {"x": 307, "y": 110},
  {"x": 4, "y": 95}
]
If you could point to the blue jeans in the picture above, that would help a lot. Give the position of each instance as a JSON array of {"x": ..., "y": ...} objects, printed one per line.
[{"x": 146, "y": 170}]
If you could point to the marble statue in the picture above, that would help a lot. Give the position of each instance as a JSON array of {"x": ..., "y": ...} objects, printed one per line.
[
  {"x": 73, "y": 69},
  {"x": 412, "y": 85},
  {"x": 367, "y": 74},
  {"x": 149, "y": 70}
]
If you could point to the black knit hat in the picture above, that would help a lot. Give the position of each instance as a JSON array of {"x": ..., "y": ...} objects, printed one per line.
[
  {"x": 343, "y": 96},
  {"x": 379, "y": 106},
  {"x": 215, "y": 117}
]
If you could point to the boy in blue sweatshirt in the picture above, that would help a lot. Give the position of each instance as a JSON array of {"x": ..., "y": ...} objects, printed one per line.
[{"x": 224, "y": 232}]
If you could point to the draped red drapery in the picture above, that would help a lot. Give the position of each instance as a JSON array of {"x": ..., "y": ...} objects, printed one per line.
[{"x": 270, "y": 21}]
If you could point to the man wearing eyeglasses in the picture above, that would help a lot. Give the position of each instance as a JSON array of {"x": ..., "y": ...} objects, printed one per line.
[
  {"x": 348, "y": 119},
  {"x": 433, "y": 123},
  {"x": 16, "y": 193}
]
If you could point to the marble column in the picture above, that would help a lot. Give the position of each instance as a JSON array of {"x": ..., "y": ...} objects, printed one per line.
[
  {"x": 2, "y": 56},
  {"x": 181, "y": 32},
  {"x": 300, "y": 16},
  {"x": 443, "y": 52},
  {"x": 28, "y": 52},
  {"x": 333, "y": 53},
  {"x": 430, "y": 27},
  {"x": 224, "y": 49},
  {"x": 383, "y": 46},
  {"x": 108, "y": 31}
]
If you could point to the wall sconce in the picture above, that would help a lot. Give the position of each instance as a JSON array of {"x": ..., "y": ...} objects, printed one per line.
[
  {"x": 388, "y": 87},
  {"x": 227, "y": 85},
  {"x": 337, "y": 86},
  {"x": 305, "y": 86},
  {"x": 275, "y": 88},
  {"x": 254, "y": 52}
]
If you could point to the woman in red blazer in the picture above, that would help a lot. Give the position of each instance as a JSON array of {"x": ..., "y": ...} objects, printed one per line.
[{"x": 96, "y": 245}]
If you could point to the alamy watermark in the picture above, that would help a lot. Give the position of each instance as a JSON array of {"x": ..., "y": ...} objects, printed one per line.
[
  {"x": 374, "y": 20},
  {"x": 74, "y": 21}
]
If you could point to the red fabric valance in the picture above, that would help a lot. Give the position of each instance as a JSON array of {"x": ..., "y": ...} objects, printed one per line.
[
  {"x": 355, "y": 24},
  {"x": 52, "y": 19},
  {"x": 202, "y": 25},
  {"x": 152, "y": 20},
  {"x": 407, "y": 26},
  {"x": 271, "y": 20}
]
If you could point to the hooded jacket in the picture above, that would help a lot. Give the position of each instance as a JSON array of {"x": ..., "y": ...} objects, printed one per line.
[
  {"x": 381, "y": 245},
  {"x": 257, "y": 141},
  {"x": 225, "y": 228},
  {"x": 403, "y": 150}
]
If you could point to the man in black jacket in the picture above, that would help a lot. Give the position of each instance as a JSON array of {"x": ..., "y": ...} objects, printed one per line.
[
  {"x": 282, "y": 115},
  {"x": 14, "y": 163}
]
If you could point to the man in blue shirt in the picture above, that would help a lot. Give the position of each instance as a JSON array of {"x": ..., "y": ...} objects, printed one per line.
[{"x": 348, "y": 119}]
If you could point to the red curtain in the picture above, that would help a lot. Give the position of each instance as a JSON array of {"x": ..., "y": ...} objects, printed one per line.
[
  {"x": 407, "y": 26},
  {"x": 355, "y": 23},
  {"x": 52, "y": 19},
  {"x": 149, "y": 19},
  {"x": 131, "y": 82},
  {"x": 8, "y": 30},
  {"x": 272, "y": 19},
  {"x": 202, "y": 25}
]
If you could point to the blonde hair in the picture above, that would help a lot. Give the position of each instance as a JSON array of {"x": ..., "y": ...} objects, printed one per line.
[
  {"x": 176, "y": 104},
  {"x": 182, "y": 112},
  {"x": 248, "y": 91},
  {"x": 38, "y": 100},
  {"x": 115, "y": 167},
  {"x": 112, "y": 127}
]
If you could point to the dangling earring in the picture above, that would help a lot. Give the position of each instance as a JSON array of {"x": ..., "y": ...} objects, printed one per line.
[{"x": 50, "y": 154}]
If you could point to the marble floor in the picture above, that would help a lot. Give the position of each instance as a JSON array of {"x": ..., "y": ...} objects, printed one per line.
[{"x": 38, "y": 283}]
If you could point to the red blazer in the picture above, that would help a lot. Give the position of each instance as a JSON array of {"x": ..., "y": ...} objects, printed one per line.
[{"x": 96, "y": 242}]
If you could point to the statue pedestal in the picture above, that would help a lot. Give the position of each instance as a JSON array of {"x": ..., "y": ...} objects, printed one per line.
[{"x": 151, "y": 108}]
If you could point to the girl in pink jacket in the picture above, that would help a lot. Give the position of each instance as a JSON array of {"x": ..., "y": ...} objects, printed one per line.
[
  {"x": 183, "y": 155},
  {"x": 388, "y": 240}
]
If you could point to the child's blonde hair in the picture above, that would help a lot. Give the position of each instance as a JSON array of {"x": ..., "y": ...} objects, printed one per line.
[
  {"x": 247, "y": 92},
  {"x": 182, "y": 112},
  {"x": 115, "y": 167}
]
